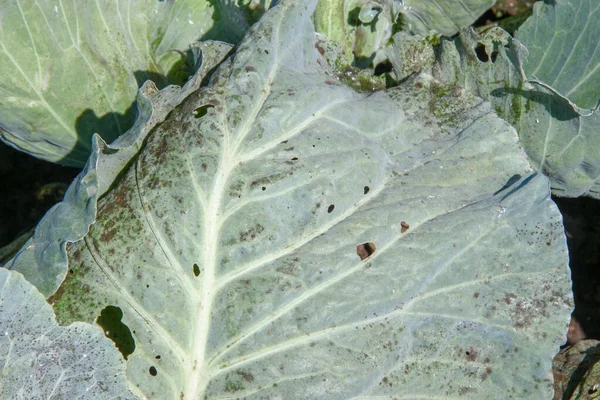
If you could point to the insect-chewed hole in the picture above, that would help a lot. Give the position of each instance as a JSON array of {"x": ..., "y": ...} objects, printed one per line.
[
  {"x": 110, "y": 321},
  {"x": 330, "y": 208},
  {"x": 481, "y": 53},
  {"x": 152, "y": 371},
  {"x": 494, "y": 56},
  {"x": 383, "y": 68},
  {"x": 366, "y": 189},
  {"x": 365, "y": 250},
  {"x": 201, "y": 111},
  {"x": 196, "y": 269}
]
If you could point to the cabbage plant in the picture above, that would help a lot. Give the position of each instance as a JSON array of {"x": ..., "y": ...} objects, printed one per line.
[{"x": 269, "y": 231}]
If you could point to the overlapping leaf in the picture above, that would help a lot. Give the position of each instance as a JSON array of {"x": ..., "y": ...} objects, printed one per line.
[
  {"x": 72, "y": 69},
  {"x": 447, "y": 17},
  {"x": 563, "y": 49},
  {"x": 43, "y": 360},
  {"x": 560, "y": 141}
]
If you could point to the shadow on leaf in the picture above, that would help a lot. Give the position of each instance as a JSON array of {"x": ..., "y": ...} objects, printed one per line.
[{"x": 556, "y": 106}]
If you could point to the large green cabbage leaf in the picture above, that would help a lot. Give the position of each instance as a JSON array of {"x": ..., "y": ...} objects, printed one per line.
[
  {"x": 280, "y": 235},
  {"x": 72, "y": 69},
  {"x": 563, "y": 61},
  {"x": 562, "y": 45},
  {"x": 560, "y": 139}
]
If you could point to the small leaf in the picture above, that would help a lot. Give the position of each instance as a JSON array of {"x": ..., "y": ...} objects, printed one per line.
[{"x": 41, "y": 359}]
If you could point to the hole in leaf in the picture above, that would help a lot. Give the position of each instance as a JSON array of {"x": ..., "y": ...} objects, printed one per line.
[
  {"x": 152, "y": 371},
  {"x": 481, "y": 53},
  {"x": 157, "y": 357},
  {"x": 330, "y": 208},
  {"x": 383, "y": 68},
  {"x": 404, "y": 226},
  {"x": 294, "y": 158},
  {"x": 365, "y": 250},
  {"x": 201, "y": 111},
  {"x": 110, "y": 321},
  {"x": 366, "y": 189},
  {"x": 494, "y": 56},
  {"x": 264, "y": 188},
  {"x": 196, "y": 269}
]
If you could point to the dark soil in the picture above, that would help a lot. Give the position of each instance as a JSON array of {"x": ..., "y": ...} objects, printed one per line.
[
  {"x": 29, "y": 188},
  {"x": 581, "y": 217}
]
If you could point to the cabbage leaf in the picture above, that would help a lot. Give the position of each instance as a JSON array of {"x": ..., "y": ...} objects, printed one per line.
[
  {"x": 41, "y": 359},
  {"x": 562, "y": 46},
  {"x": 72, "y": 69},
  {"x": 560, "y": 138},
  {"x": 447, "y": 17}
]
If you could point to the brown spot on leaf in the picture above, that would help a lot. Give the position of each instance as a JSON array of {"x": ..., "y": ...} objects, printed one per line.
[
  {"x": 471, "y": 354},
  {"x": 404, "y": 226},
  {"x": 161, "y": 150},
  {"x": 251, "y": 233},
  {"x": 108, "y": 235},
  {"x": 509, "y": 297},
  {"x": 319, "y": 49},
  {"x": 248, "y": 377}
]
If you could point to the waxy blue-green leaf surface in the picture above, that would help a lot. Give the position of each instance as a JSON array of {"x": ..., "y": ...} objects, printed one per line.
[
  {"x": 564, "y": 50},
  {"x": 71, "y": 69},
  {"x": 42, "y": 360},
  {"x": 560, "y": 141},
  {"x": 444, "y": 16},
  {"x": 230, "y": 241}
]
